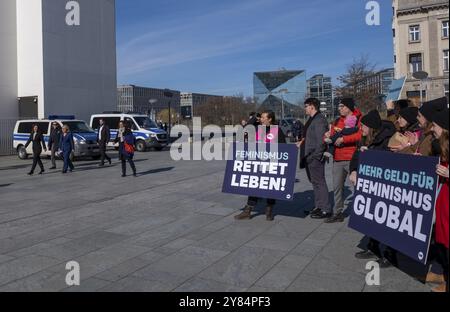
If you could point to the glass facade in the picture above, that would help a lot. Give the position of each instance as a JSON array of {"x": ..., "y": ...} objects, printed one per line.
[
  {"x": 320, "y": 87},
  {"x": 278, "y": 89}
]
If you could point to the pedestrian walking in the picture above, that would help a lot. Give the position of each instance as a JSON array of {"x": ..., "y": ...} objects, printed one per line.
[
  {"x": 67, "y": 147},
  {"x": 103, "y": 138},
  {"x": 126, "y": 141},
  {"x": 53, "y": 142},
  {"x": 37, "y": 138}
]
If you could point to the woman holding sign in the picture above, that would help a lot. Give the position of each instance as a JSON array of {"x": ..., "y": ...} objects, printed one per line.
[
  {"x": 377, "y": 134},
  {"x": 272, "y": 134},
  {"x": 441, "y": 133}
]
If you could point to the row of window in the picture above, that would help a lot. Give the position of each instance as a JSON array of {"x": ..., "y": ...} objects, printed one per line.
[
  {"x": 415, "y": 34},
  {"x": 416, "y": 63}
]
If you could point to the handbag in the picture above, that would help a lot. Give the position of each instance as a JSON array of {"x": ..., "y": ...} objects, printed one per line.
[{"x": 129, "y": 148}]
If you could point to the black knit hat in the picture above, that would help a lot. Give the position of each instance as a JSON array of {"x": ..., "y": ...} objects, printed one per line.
[
  {"x": 372, "y": 120},
  {"x": 428, "y": 108},
  {"x": 441, "y": 118},
  {"x": 410, "y": 114},
  {"x": 401, "y": 104},
  {"x": 349, "y": 102}
]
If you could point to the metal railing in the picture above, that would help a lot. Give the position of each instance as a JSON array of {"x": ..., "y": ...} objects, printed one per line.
[{"x": 6, "y": 137}]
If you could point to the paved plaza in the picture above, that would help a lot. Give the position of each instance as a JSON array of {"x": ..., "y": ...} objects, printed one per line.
[{"x": 170, "y": 229}]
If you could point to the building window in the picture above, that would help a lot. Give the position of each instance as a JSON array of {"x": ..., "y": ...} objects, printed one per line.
[
  {"x": 414, "y": 33},
  {"x": 446, "y": 60},
  {"x": 445, "y": 29},
  {"x": 395, "y": 59},
  {"x": 393, "y": 32},
  {"x": 415, "y": 62}
]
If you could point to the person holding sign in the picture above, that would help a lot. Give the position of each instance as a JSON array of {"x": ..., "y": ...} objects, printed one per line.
[
  {"x": 377, "y": 134},
  {"x": 441, "y": 132},
  {"x": 272, "y": 134}
]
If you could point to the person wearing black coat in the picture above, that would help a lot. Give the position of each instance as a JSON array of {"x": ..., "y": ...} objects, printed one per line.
[
  {"x": 53, "y": 142},
  {"x": 377, "y": 134},
  {"x": 103, "y": 138},
  {"x": 37, "y": 138}
]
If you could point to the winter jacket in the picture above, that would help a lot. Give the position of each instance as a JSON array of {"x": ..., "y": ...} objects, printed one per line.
[
  {"x": 351, "y": 142},
  {"x": 380, "y": 143}
]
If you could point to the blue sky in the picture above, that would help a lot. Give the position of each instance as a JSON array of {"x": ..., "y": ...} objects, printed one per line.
[{"x": 212, "y": 46}]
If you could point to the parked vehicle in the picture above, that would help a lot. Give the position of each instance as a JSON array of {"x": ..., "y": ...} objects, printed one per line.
[
  {"x": 145, "y": 130},
  {"x": 85, "y": 139}
]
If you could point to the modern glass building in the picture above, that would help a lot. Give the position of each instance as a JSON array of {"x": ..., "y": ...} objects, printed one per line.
[{"x": 282, "y": 91}]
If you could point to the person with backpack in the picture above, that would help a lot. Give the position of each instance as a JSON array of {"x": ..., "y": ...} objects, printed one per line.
[{"x": 126, "y": 141}]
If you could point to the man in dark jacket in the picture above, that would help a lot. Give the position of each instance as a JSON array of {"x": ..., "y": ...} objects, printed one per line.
[
  {"x": 311, "y": 157},
  {"x": 37, "y": 138},
  {"x": 53, "y": 142},
  {"x": 103, "y": 138}
]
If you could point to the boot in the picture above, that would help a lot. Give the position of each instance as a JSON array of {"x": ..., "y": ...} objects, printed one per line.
[
  {"x": 435, "y": 278},
  {"x": 246, "y": 214},
  {"x": 269, "y": 215}
]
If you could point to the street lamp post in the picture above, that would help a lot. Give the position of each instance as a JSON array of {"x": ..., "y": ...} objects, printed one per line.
[
  {"x": 422, "y": 76},
  {"x": 282, "y": 91},
  {"x": 152, "y": 114},
  {"x": 169, "y": 94}
]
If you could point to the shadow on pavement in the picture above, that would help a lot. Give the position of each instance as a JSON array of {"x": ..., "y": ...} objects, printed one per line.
[{"x": 153, "y": 171}]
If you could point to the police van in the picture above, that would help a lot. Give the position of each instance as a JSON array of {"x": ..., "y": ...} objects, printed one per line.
[
  {"x": 145, "y": 130},
  {"x": 85, "y": 139}
]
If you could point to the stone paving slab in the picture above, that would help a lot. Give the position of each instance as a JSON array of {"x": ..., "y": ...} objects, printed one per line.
[{"x": 171, "y": 229}]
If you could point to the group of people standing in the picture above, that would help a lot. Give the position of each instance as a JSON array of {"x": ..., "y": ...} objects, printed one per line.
[
  {"x": 61, "y": 143},
  {"x": 406, "y": 129}
]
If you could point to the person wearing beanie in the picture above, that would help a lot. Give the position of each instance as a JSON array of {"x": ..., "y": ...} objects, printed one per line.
[
  {"x": 440, "y": 130},
  {"x": 344, "y": 148},
  {"x": 348, "y": 102},
  {"x": 377, "y": 134},
  {"x": 410, "y": 130},
  {"x": 372, "y": 120},
  {"x": 394, "y": 108},
  {"x": 428, "y": 108},
  {"x": 424, "y": 144}
]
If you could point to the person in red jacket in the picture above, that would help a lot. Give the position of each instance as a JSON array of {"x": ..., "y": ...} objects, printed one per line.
[
  {"x": 343, "y": 153},
  {"x": 441, "y": 132}
]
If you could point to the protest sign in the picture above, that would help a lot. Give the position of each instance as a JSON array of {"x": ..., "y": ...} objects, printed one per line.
[
  {"x": 394, "y": 201},
  {"x": 395, "y": 90},
  {"x": 261, "y": 172}
]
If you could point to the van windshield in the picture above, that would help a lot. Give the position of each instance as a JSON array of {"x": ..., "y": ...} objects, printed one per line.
[
  {"x": 78, "y": 127},
  {"x": 145, "y": 123}
]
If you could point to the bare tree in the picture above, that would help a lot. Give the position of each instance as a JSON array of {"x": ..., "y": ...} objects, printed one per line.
[{"x": 353, "y": 84}]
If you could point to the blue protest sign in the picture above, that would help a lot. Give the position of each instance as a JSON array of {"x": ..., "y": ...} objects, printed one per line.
[
  {"x": 262, "y": 172},
  {"x": 394, "y": 201},
  {"x": 395, "y": 90}
]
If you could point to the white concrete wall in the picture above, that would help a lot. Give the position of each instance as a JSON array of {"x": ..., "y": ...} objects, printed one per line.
[
  {"x": 8, "y": 60},
  {"x": 79, "y": 61},
  {"x": 30, "y": 51}
]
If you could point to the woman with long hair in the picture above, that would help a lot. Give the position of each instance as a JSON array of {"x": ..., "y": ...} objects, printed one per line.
[
  {"x": 441, "y": 132},
  {"x": 37, "y": 138},
  {"x": 376, "y": 134},
  {"x": 126, "y": 141}
]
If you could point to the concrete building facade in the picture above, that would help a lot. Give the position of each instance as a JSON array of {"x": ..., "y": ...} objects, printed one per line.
[
  {"x": 320, "y": 87},
  {"x": 420, "y": 31},
  {"x": 149, "y": 101},
  {"x": 191, "y": 100},
  {"x": 50, "y": 67}
]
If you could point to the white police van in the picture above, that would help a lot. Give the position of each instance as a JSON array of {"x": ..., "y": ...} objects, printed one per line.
[
  {"x": 85, "y": 138},
  {"x": 145, "y": 130}
]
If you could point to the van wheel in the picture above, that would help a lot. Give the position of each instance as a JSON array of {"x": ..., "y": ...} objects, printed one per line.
[
  {"x": 140, "y": 146},
  {"x": 22, "y": 152}
]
